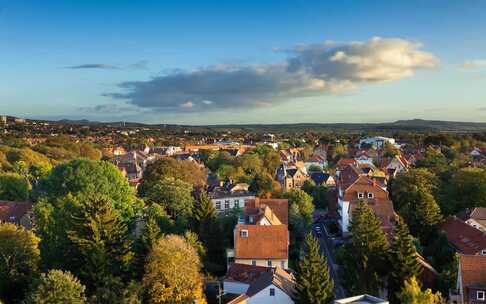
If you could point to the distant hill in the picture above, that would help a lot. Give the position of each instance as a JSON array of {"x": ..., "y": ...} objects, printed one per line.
[{"x": 406, "y": 125}]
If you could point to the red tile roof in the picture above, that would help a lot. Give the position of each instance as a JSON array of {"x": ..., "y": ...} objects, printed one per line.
[
  {"x": 473, "y": 270},
  {"x": 466, "y": 239},
  {"x": 262, "y": 242},
  {"x": 280, "y": 207},
  {"x": 244, "y": 273}
]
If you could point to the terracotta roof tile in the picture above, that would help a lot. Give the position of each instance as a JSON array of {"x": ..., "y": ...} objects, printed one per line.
[
  {"x": 473, "y": 270},
  {"x": 466, "y": 239},
  {"x": 280, "y": 207},
  {"x": 262, "y": 242}
]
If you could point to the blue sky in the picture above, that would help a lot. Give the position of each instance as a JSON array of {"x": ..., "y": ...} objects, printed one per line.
[{"x": 211, "y": 62}]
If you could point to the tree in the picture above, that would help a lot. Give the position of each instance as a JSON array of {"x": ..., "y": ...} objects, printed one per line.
[
  {"x": 82, "y": 177},
  {"x": 469, "y": 188},
  {"x": 404, "y": 259},
  {"x": 166, "y": 167},
  {"x": 314, "y": 284},
  {"x": 315, "y": 168},
  {"x": 172, "y": 272},
  {"x": 100, "y": 242},
  {"x": 412, "y": 293},
  {"x": 366, "y": 256},
  {"x": 174, "y": 195},
  {"x": 13, "y": 187},
  {"x": 412, "y": 194},
  {"x": 304, "y": 203},
  {"x": 19, "y": 256},
  {"x": 262, "y": 184},
  {"x": 58, "y": 286}
]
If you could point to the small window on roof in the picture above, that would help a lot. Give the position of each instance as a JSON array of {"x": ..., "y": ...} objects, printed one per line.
[
  {"x": 370, "y": 195},
  {"x": 244, "y": 233},
  {"x": 480, "y": 295},
  {"x": 483, "y": 252},
  {"x": 360, "y": 195}
]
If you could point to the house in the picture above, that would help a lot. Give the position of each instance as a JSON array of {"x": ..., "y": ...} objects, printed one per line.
[
  {"x": 228, "y": 198},
  {"x": 376, "y": 142},
  {"x": 315, "y": 160},
  {"x": 131, "y": 170},
  {"x": 355, "y": 186},
  {"x": 471, "y": 280},
  {"x": 363, "y": 157},
  {"x": 477, "y": 219},
  {"x": 272, "y": 286},
  {"x": 19, "y": 213},
  {"x": 291, "y": 177},
  {"x": 465, "y": 238},
  {"x": 261, "y": 237},
  {"x": 321, "y": 178},
  {"x": 362, "y": 299},
  {"x": 395, "y": 165}
]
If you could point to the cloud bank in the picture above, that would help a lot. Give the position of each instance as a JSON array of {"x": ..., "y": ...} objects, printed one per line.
[
  {"x": 309, "y": 70},
  {"x": 102, "y": 66}
]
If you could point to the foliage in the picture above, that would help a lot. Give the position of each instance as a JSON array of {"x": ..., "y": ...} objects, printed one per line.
[
  {"x": 13, "y": 187},
  {"x": 262, "y": 185},
  {"x": 303, "y": 201},
  {"x": 314, "y": 284},
  {"x": 58, "y": 286},
  {"x": 468, "y": 188},
  {"x": 172, "y": 272},
  {"x": 19, "y": 255},
  {"x": 412, "y": 293},
  {"x": 366, "y": 257}
]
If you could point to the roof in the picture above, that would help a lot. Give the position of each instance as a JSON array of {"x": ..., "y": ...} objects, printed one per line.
[
  {"x": 13, "y": 211},
  {"x": 478, "y": 214},
  {"x": 473, "y": 270},
  {"x": 362, "y": 299},
  {"x": 277, "y": 277},
  {"x": 466, "y": 239},
  {"x": 262, "y": 242},
  {"x": 280, "y": 207},
  {"x": 244, "y": 273},
  {"x": 319, "y": 177}
]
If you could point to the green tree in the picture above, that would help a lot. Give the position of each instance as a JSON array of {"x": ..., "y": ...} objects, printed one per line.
[
  {"x": 82, "y": 177},
  {"x": 184, "y": 170},
  {"x": 314, "y": 284},
  {"x": 57, "y": 287},
  {"x": 174, "y": 195},
  {"x": 412, "y": 293},
  {"x": 304, "y": 203},
  {"x": 172, "y": 272},
  {"x": 366, "y": 256},
  {"x": 404, "y": 259},
  {"x": 19, "y": 256},
  {"x": 13, "y": 187},
  {"x": 262, "y": 184},
  {"x": 469, "y": 188}
]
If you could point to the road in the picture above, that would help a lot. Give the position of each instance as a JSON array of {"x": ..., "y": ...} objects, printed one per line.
[{"x": 325, "y": 242}]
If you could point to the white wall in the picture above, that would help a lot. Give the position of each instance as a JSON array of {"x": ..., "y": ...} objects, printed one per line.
[
  {"x": 264, "y": 297},
  {"x": 232, "y": 202},
  {"x": 264, "y": 262}
]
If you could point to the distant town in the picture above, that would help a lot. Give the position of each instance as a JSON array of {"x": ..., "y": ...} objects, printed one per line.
[{"x": 133, "y": 213}]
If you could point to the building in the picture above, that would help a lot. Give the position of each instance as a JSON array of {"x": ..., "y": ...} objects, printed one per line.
[
  {"x": 272, "y": 286},
  {"x": 19, "y": 213},
  {"x": 261, "y": 237},
  {"x": 471, "y": 280},
  {"x": 354, "y": 186},
  {"x": 3, "y": 119},
  {"x": 226, "y": 199},
  {"x": 465, "y": 238},
  {"x": 376, "y": 142},
  {"x": 291, "y": 177},
  {"x": 477, "y": 219},
  {"x": 362, "y": 299},
  {"x": 321, "y": 178}
]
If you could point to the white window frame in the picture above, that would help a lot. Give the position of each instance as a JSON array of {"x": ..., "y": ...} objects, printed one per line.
[
  {"x": 269, "y": 263},
  {"x": 371, "y": 195},
  {"x": 226, "y": 204},
  {"x": 482, "y": 293},
  {"x": 483, "y": 252},
  {"x": 361, "y": 195},
  {"x": 244, "y": 233},
  {"x": 237, "y": 203}
]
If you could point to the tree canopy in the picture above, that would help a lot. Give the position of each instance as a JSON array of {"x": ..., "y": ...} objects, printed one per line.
[{"x": 58, "y": 286}]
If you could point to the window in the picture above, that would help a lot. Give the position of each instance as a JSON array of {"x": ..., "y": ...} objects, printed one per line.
[
  {"x": 226, "y": 204},
  {"x": 483, "y": 252},
  {"x": 269, "y": 263},
  {"x": 244, "y": 233},
  {"x": 370, "y": 195},
  {"x": 282, "y": 264},
  {"x": 250, "y": 219},
  {"x": 272, "y": 292},
  {"x": 237, "y": 203},
  {"x": 253, "y": 263},
  {"x": 480, "y": 295},
  {"x": 360, "y": 195},
  {"x": 218, "y": 205}
]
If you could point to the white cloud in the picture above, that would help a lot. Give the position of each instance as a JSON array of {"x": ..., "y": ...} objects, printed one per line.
[{"x": 309, "y": 70}]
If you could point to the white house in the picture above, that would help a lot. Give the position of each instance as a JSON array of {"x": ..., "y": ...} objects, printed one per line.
[
  {"x": 225, "y": 200},
  {"x": 376, "y": 142}
]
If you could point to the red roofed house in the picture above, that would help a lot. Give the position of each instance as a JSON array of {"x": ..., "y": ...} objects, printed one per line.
[
  {"x": 19, "y": 213},
  {"x": 465, "y": 238},
  {"x": 354, "y": 187},
  {"x": 471, "y": 280}
]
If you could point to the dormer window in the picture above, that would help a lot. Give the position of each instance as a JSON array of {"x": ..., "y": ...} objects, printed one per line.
[
  {"x": 480, "y": 295},
  {"x": 370, "y": 195},
  {"x": 244, "y": 233},
  {"x": 360, "y": 195}
]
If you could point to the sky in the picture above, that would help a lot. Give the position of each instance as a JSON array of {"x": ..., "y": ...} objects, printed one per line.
[{"x": 265, "y": 61}]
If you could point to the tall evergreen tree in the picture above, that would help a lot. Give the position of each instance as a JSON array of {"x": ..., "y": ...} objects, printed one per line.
[
  {"x": 367, "y": 255},
  {"x": 314, "y": 284},
  {"x": 404, "y": 260}
]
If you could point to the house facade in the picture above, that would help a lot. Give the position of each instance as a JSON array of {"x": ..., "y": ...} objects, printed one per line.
[{"x": 471, "y": 280}]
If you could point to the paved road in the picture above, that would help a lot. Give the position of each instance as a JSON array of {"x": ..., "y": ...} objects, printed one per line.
[{"x": 324, "y": 242}]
